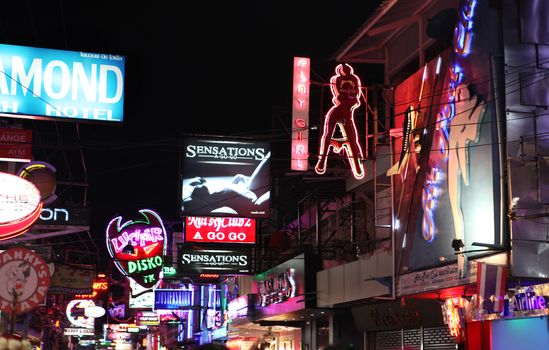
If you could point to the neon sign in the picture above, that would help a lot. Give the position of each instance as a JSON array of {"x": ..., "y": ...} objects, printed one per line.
[
  {"x": 528, "y": 301},
  {"x": 148, "y": 242},
  {"x": 300, "y": 114},
  {"x": 20, "y": 205},
  {"x": 219, "y": 230},
  {"x": 277, "y": 289},
  {"x": 428, "y": 203},
  {"x": 345, "y": 87},
  {"x": 465, "y": 118}
]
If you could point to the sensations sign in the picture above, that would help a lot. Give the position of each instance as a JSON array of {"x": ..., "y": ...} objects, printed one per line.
[
  {"x": 138, "y": 247},
  {"x": 25, "y": 280},
  {"x": 219, "y": 230},
  {"x": 194, "y": 259},
  {"x": 20, "y": 205},
  {"x": 226, "y": 178},
  {"x": 43, "y": 83}
]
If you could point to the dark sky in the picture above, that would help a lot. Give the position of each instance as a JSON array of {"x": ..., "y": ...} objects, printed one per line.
[{"x": 209, "y": 68}]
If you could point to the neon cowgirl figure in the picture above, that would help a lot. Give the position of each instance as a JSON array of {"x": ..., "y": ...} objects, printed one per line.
[{"x": 345, "y": 86}]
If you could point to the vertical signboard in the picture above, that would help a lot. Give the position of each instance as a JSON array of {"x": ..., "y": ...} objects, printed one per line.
[
  {"x": 446, "y": 169},
  {"x": 300, "y": 113},
  {"x": 41, "y": 83},
  {"x": 225, "y": 177},
  {"x": 15, "y": 145}
]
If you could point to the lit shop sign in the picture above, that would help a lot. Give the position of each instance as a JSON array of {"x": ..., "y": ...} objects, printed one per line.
[
  {"x": 277, "y": 289},
  {"x": 149, "y": 241},
  {"x": 42, "y": 175},
  {"x": 41, "y": 83},
  {"x": 100, "y": 286},
  {"x": 15, "y": 145},
  {"x": 20, "y": 205},
  {"x": 173, "y": 299},
  {"x": 219, "y": 230},
  {"x": 225, "y": 178},
  {"x": 192, "y": 259},
  {"x": 300, "y": 114},
  {"x": 64, "y": 216},
  {"x": 78, "y": 332},
  {"x": 346, "y": 93},
  {"x": 147, "y": 318},
  {"x": 76, "y": 313},
  {"x": 237, "y": 308},
  {"x": 26, "y": 274},
  {"x": 527, "y": 301}
]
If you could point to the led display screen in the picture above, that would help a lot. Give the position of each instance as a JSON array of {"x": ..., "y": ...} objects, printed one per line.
[
  {"x": 42, "y": 83},
  {"x": 225, "y": 178}
]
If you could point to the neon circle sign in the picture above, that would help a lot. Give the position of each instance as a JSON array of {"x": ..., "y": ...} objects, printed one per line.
[
  {"x": 20, "y": 205},
  {"x": 148, "y": 238}
]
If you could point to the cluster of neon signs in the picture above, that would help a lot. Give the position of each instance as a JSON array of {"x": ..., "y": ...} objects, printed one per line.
[
  {"x": 138, "y": 247},
  {"x": 428, "y": 203},
  {"x": 346, "y": 92},
  {"x": 219, "y": 230},
  {"x": 300, "y": 114}
]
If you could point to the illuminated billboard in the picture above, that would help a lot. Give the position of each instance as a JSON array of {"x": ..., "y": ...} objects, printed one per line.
[
  {"x": 219, "y": 230},
  {"x": 446, "y": 167},
  {"x": 225, "y": 177},
  {"x": 20, "y": 205},
  {"x": 138, "y": 247},
  {"x": 201, "y": 259},
  {"x": 300, "y": 113},
  {"x": 39, "y": 83}
]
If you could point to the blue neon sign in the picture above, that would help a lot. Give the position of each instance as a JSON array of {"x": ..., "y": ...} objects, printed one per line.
[{"x": 41, "y": 83}]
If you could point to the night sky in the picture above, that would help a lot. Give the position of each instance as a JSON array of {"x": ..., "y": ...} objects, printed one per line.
[{"x": 220, "y": 68}]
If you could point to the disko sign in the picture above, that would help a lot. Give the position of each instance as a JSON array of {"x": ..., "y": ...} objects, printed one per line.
[
  {"x": 138, "y": 247},
  {"x": 194, "y": 259},
  {"x": 219, "y": 230},
  {"x": 26, "y": 279},
  {"x": 20, "y": 205}
]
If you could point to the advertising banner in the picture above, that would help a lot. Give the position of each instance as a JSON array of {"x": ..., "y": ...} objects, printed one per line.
[
  {"x": 39, "y": 83},
  {"x": 284, "y": 288},
  {"x": 26, "y": 279},
  {"x": 68, "y": 279},
  {"x": 201, "y": 259},
  {"x": 446, "y": 166},
  {"x": 219, "y": 230},
  {"x": 225, "y": 177}
]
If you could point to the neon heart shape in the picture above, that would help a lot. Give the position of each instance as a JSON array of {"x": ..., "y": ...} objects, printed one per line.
[{"x": 149, "y": 241}]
